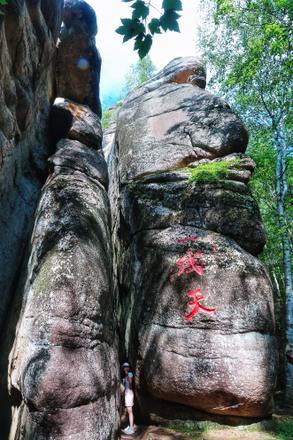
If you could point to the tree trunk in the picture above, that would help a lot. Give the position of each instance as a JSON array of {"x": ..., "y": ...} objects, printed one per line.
[{"x": 281, "y": 189}]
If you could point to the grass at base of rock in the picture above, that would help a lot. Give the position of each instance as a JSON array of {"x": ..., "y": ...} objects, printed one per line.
[
  {"x": 279, "y": 428},
  {"x": 210, "y": 172},
  {"x": 284, "y": 428}
]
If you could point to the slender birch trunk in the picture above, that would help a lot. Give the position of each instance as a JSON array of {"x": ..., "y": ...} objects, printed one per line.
[{"x": 281, "y": 189}]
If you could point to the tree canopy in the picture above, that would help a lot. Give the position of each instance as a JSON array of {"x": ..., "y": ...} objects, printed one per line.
[
  {"x": 138, "y": 73},
  {"x": 248, "y": 47},
  {"x": 2, "y": 3}
]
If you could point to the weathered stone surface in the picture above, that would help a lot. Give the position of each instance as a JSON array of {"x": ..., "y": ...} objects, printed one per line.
[
  {"x": 183, "y": 70},
  {"x": 79, "y": 15},
  {"x": 172, "y": 259},
  {"x": 78, "y": 60},
  {"x": 64, "y": 362},
  {"x": 159, "y": 200},
  {"x": 196, "y": 362},
  {"x": 77, "y": 122},
  {"x": 74, "y": 156},
  {"x": 28, "y": 34},
  {"x": 63, "y": 366},
  {"x": 176, "y": 124},
  {"x": 27, "y": 49},
  {"x": 180, "y": 70}
]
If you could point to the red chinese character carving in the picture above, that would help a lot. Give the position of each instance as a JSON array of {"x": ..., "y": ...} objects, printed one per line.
[
  {"x": 197, "y": 296},
  {"x": 190, "y": 263}
]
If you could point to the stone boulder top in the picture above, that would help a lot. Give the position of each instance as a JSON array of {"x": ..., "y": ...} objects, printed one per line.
[
  {"x": 172, "y": 121},
  {"x": 181, "y": 70},
  {"x": 78, "y": 14},
  {"x": 76, "y": 122}
]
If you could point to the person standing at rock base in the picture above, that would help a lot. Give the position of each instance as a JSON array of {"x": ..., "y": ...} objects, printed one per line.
[{"x": 127, "y": 382}]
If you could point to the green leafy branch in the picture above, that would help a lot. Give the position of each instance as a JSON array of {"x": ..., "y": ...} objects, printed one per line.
[
  {"x": 141, "y": 30},
  {"x": 2, "y": 3}
]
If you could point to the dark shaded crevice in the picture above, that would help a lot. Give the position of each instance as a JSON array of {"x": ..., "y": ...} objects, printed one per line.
[
  {"x": 60, "y": 122},
  {"x": 9, "y": 399}
]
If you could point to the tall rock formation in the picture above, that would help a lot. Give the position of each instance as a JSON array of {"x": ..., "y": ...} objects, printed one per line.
[
  {"x": 28, "y": 35},
  {"x": 78, "y": 60},
  {"x": 63, "y": 367},
  {"x": 196, "y": 303},
  {"x": 29, "y": 31},
  {"x": 64, "y": 362}
]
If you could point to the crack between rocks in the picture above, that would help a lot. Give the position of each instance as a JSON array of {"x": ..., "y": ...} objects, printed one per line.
[
  {"x": 201, "y": 146},
  {"x": 54, "y": 175},
  {"x": 220, "y": 332},
  {"x": 58, "y": 408},
  {"x": 191, "y": 355}
]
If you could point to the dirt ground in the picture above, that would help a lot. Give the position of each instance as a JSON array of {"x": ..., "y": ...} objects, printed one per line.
[{"x": 155, "y": 433}]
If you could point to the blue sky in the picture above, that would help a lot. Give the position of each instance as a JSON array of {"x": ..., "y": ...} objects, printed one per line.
[{"x": 117, "y": 56}]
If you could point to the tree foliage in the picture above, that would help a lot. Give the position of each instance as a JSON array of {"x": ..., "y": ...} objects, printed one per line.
[
  {"x": 248, "y": 46},
  {"x": 138, "y": 73},
  {"x": 2, "y": 3},
  {"x": 142, "y": 28}
]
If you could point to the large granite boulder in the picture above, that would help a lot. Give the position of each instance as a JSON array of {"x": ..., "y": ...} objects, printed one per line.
[
  {"x": 226, "y": 205},
  {"x": 64, "y": 361},
  {"x": 190, "y": 354},
  {"x": 75, "y": 121},
  {"x": 194, "y": 303},
  {"x": 78, "y": 60},
  {"x": 177, "y": 124}
]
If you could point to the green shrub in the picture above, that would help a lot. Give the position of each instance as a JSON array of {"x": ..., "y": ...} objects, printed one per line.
[{"x": 107, "y": 118}]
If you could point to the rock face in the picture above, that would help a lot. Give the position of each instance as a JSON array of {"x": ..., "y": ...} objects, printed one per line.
[
  {"x": 177, "y": 124},
  {"x": 63, "y": 365},
  {"x": 28, "y": 34},
  {"x": 182, "y": 286},
  {"x": 193, "y": 360},
  {"x": 27, "y": 46},
  {"x": 195, "y": 304},
  {"x": 64, "y": 362},
  {"x": 78, "y": 60}
]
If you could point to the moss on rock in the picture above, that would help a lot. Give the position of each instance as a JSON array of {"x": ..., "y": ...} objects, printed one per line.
[{"x": 210, "y": 172}]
